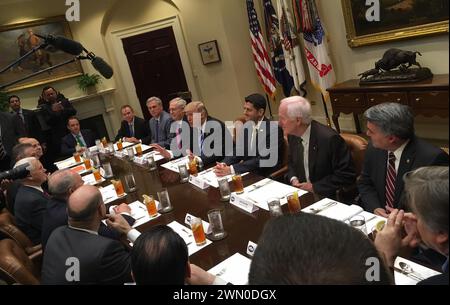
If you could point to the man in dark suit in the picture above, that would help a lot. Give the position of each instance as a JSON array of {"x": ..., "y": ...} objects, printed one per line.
[
  {"x": 133, "y": 128},
  {"x": 426, "y": 193},
  {"x": 62, "y": 184},
  {"x": 160, "y": 122},
  {"x": 56, "y": 110},
  {"x": 176, "y": 109},
  {"x": 92, "y": 259},
  {"x": 319, "y": 159},
  {"x": 393, "y": 151},
  {"x": 10, "y": 131},
  {"x": 30, "y": 201},
  {"x": 261, "y": 150},
  {"x": 30, "y": 123},
  {"x": 83, "y": 138}
]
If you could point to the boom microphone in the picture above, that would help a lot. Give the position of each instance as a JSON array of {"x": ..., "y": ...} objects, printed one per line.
[
  {"x": 102, "y": 67},
  {"x": 63, "y": 44}
]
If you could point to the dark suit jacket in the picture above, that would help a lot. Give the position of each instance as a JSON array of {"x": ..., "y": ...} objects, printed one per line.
[
  {"x": 141, "y": 130},
  {"x": 11, "y": 130},
  {"x": 68, "y": 143},
  {"x": 101, "y": 260},
  {"x": 440, "y": 279},
  {"x": 56, "y": 216},
  {"x": 329, "y": 160},
  {"x": 29, "y": 209},
  {"x": 163, "y": 131},
  {"x": 244, "y": 161},
  {"x": 30, "y": 125},
  {"x": 372, "y": 183}
]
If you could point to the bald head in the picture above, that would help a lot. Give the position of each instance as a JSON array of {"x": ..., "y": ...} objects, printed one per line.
[
  {"x": 83, "y": 203},
  {"x": 38, "y": 152},
  {"x": 64, "y": 182}
]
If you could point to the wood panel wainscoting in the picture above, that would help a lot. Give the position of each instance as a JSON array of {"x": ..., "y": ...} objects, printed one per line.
[{"x": 428, "y": 98}]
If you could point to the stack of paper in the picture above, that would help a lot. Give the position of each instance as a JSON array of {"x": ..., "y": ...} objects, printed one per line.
[
  {"x": 233, "y": 270},
  {"x": 410, "y": 273},
  {"x": 188, "y": 237},
  {"x": 109, "y": 194},
  {"x": 173, "y": 164},
  {"x": 69, "y": 162}
]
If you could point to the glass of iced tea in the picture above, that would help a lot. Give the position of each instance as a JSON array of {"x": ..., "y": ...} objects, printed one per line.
[
  {"x": 87, "y": 163},
  {"x": 138, "y": 150},
  {"x": 238, "y": 185},
  {"x": 97, "y": 175},
  {"x": 197, "y": 230},
  {"x": 118, "y": 187},
  {"x": 193, "y": 167},
  {"x": 77, "y": 157},
  {"x": 293, "y": 203},
  {"x": 150, "y": 203},
  {"x": 119, "y": 145}
]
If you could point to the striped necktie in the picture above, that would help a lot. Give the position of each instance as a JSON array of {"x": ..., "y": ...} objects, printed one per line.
[
  {"x": 391, "y": 175},
  {"x": 2, "y": 149}
]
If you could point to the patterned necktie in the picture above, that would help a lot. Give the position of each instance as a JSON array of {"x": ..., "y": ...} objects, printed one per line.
[
  {"x": 2, "y": 149},
  {"x": 79, "y": 140},
  {"x": 391, "y": 175},
  {"x": 131, "y": 130},
  {"x": 301, "y": 175}
]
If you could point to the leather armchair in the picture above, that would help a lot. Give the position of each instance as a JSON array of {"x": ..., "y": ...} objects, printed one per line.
[{"x": 15, "y": 265}]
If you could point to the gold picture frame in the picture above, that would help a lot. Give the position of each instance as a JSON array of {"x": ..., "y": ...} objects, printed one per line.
[
  {"x": 403, "y": 19},
  {"x": 18, "y": 38}
]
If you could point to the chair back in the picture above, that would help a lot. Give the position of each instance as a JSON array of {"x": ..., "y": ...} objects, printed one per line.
[
  {"x": 357, "y": 146},
  {"x": 15, "y": 265},
  {"x": 9, "y": 229}
]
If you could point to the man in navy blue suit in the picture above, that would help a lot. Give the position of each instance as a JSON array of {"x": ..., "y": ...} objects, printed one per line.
[
  {"x": 83, "y": 138},
  {"x": 160, "y": 122}
]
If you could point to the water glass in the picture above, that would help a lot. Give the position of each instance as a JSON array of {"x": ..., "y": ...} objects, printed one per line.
[
  {"x": 216, "y": 225},
  {"x": 108, "y": 170},
  {"x": 151, "y": 163},
  {"x": 130, "y": 152},
  {"x": 130, "y": 182},
  {"x": 164, "y": 201},
  {"x": 224, "y": 188},
  {"x": 274, "y": 207},
  {"x": 184, "y": 173},
  {"x": 99, "y": 145}
]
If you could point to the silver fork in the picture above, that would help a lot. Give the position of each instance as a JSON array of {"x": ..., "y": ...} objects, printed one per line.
[{"x": 322, "y": 208}]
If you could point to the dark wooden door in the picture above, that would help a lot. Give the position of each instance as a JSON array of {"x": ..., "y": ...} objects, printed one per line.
[{"x": 155, "y": 65}]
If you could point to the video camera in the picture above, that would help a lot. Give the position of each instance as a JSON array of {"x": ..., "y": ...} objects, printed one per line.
[{"x": 19, "y": 172}]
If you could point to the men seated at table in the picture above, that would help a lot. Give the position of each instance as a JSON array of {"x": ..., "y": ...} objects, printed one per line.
[
  {"x": 62, "y": 184},
  {"x": 82, "y": 138},
  {"x": 394, "y": 150},
  {"x": 426, "y": 191},
  {"x": 176, "y": 110},
  {"x": 159, "y": 124},
  {"x": 39, "y": 153},
  {"x": 319, "y": 159},
  {"x": 261, "y": 148},
  {"x": 30, "y": 201},
  {"x": 133, "y": 128},
  {"x": 205, "y": 136},
  {"x": 100, "y": 260},
  {"x": 306, "y": 249},
  {"x": 160, "y": 257}
]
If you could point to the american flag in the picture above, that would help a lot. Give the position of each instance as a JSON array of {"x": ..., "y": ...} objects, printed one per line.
[{"x": 260, "y": 56}]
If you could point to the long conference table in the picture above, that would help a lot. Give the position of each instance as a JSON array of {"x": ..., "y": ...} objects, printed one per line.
[{"x": 241, "y": 226}]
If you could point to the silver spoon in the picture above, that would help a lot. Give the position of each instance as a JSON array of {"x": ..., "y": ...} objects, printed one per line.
[{"x": 408, "y": 269}]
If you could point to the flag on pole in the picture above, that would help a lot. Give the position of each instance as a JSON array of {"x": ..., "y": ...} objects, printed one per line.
[
  {"x": 319, "y": 64},
  {"x": 276, "y": 49},
  {"x": 260, "y": 56},
  {"x": 291, "y": 48}
]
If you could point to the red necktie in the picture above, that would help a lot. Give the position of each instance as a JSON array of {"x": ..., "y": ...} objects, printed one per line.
[{"x": 391, "y": 175}]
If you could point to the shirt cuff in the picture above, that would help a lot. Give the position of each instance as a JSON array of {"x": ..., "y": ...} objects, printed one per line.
[
  {"x": 290, "y": 181},
  {"x": 133, "y": 234},
  {"x": 171, "y": 154},
  {"x": 233, "y": 172},
  {"x": 219, "y": 281}
]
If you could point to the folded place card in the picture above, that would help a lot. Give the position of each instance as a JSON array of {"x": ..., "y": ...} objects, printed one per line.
[
  {"x": 109, "y": 194},
  {"x": 66, "y": 163},
  {"x": 251, "y": 248},
  {"x": 90, "y": 180},
  {"x": 173, "y": 165},
  {"x": 198, "y": 182},
  {"x": 245, "y": 203},
  {"x": 233, "y": 270},
  {"x": 188, "y": 237}
]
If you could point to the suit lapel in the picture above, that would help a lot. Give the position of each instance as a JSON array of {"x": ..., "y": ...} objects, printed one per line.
[
  {"x": 382, "y": 161},
  {"x": 405, "y": 165},
  {"x": 313, "y": 150}
]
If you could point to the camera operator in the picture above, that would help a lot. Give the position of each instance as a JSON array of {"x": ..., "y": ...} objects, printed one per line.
[{"x": 10, "y": 131}]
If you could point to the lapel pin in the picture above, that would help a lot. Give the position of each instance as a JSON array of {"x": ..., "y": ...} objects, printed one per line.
[{"x": 407, "y": 161}]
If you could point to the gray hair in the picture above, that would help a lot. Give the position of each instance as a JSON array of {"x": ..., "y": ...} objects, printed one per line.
[
  {"x": 426, "y": 190},
  {"x": 393, "y": 119},
  {"x": 19, "y": 151},
  {"x": 298, "y": 107},
  {"x": 154, "y": 99},
  {"x": 60, "y": 182},
  {"x": 179, "y": 102},
  {"x": 30, "y": 160}
]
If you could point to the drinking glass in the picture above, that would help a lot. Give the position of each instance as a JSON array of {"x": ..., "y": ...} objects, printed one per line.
[
  {"x": 274, "y": 207},
  {"x": 130, "y": 152},
  {"x": 118, "y": 187},
  {"x": 197, "y": 231},
  {"x": 108, "y": 170},
  {"x": 216, "y": 224},
  {"x": 77, "y": 157},
  {"x": 184, "y": 173},
  {"x": 97, "y": 175},
  {"x": 293, "y": 203},
  {"x": 130, "y": 182},
  {"x": 151, "y": 206},
  {"x": 224, "y": 188},
  {"x": 138, "y": 150},
  {"x": 238, "y": 185},
  {"x": 151, "y": 163},
  {"x": 164, "y": 201},
  {"x": 193, "y": 170}
]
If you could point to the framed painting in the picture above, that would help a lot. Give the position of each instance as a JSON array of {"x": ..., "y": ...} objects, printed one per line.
[
  {"x": 395, "y": 19},
  {"x": 209, "y": 52},
  {"x": 17, "y": 39}
]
